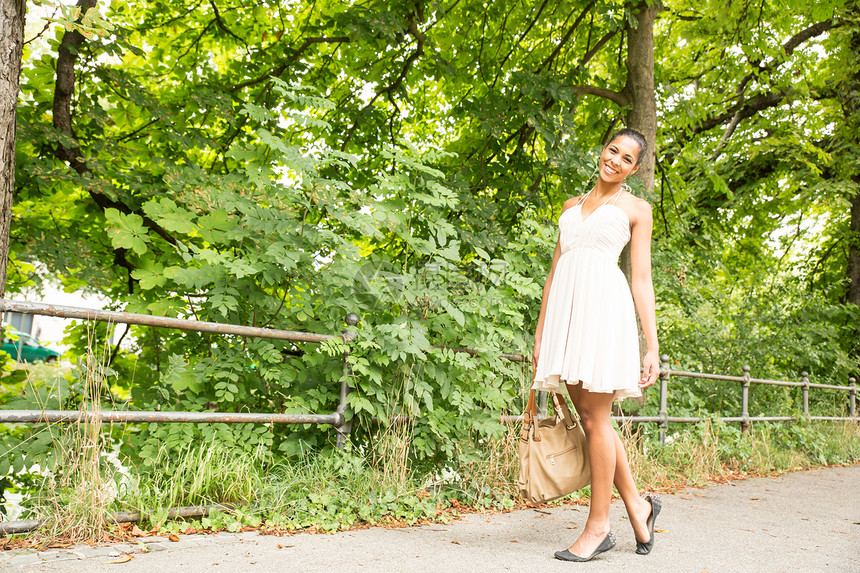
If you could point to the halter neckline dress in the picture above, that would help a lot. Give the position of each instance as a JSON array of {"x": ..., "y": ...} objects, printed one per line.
[{"x": 589, "y": 331}]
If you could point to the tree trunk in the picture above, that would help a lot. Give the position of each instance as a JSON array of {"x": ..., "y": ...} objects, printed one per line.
[
  {"x": 11, "y": 48},
  {"x": 640, "y": 84},
  {"x": 850, "y": 96},
  {"x": 854, "y": 249},
  {"x": 642, "y": 116}
]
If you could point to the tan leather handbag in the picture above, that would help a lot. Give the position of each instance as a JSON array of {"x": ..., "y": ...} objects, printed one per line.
[{"x": 553, "y": 453}]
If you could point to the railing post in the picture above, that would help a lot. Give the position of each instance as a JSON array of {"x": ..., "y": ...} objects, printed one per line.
[
  {"x": 345, "y": 427},
  {"x": 852, "y": 405},
  {"x": 745, "y": 401},
  {"x": 805, "y": 381},
  {"x": 664, "y": 397},
  {"x": 542, "y": 404}
]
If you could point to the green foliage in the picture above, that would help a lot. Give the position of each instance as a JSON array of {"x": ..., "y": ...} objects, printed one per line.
[{"x": 337, "y": 491}]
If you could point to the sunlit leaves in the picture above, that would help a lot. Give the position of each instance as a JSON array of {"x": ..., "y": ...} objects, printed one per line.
[
  {"x": 126, "y": 231},
  {"x": 170, "y": 216}
]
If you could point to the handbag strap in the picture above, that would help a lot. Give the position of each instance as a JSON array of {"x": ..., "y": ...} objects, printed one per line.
[
  {"x": 530, "y": 413},
  {"x": 558, "y": 399},
  {"x": 561, "y": 409}
]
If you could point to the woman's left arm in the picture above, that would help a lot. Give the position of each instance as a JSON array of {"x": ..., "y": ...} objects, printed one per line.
[{"x": 643, "y": 289}]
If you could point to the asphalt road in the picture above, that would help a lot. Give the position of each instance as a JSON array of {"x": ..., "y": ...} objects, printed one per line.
[{"x": 804, "y": 521}]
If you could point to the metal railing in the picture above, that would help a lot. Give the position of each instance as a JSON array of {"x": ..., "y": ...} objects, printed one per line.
[
  {"x": 337, "y": 419},
  {"x": 663, "y": 419},
  {"x": 745, "y": 381}
]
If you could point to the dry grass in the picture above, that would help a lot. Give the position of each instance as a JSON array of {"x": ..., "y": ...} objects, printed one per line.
[
  {"x": 391, "y": 443},
  {"x": 390, "y": 456},
  {"x": 710, "y": 453},
  {"x": 78, "y": 489},
  {"x": 491, "y": 473}
]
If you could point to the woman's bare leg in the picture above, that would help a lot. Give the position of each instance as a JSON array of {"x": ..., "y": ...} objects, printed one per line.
[
  {"x": 594, "y": 410},
  {"x": 637, "y": 508}
]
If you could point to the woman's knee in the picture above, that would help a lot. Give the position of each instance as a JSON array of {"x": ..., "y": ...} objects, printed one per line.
[
  {"x": 591, "y": 423},
  {"x": 593, "y": 416}
]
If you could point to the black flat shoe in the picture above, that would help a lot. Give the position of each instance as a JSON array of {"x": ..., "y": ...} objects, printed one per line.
[
  {"x": 605, "y": 545},
  {"x": 645, "y": 548}
]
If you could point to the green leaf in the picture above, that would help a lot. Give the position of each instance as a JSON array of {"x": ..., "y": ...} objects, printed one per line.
[
  {"x": 166, "y": 213},
  {"x": 126, "y": 231}
]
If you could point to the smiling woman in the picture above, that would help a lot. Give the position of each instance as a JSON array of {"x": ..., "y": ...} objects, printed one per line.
[{"x": 586, "y": 335}]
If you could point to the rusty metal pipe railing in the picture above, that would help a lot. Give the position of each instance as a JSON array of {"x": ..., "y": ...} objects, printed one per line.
[
  {"x": 28, "y": 525},
  {"x": 746, "y": 381},
  {"x": 337, "y": 418},
  {"x": 343, "y": 427},
  {"x": 704, "y": 375},
  {"x": 117, "y": 317},
  {"x": 166, "y": 417}
]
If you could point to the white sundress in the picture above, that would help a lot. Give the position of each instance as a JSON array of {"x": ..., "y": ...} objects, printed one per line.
[{"x": 589, "y": 331}]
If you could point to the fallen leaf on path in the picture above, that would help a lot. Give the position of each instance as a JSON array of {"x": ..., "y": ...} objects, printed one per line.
[
  {"x": 284, "y": 546},
  {"x": 661, "y": 530},
  {"x": 124, "y": 559},
  {"x": 514, "y": 541},
  {"x": 173, "y": 537},
  {"x": 137, "y": 532},
  {"x": 456, "y": 542},
  {"x": 755, "y": 498}
]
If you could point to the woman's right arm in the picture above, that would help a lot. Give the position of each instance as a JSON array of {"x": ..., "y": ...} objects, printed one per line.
[
  {"x": 539, "y": 329},
  {"x": 555, "y": 255}
]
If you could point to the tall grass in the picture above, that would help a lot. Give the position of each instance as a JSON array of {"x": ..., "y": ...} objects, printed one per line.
[
  {"x": 390, "y": 444},
  {"x": 486, "y": 475},
  {"x": 78, "y": 488},
  {"x": 713, "y": 451},
  {"x": 198, "y": 474}
]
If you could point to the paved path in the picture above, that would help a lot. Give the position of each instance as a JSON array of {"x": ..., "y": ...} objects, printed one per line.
[{"x": 804, "y": 521}]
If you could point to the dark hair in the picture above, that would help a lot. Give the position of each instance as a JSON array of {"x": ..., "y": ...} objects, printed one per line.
[{"x": 635, "y": 136}]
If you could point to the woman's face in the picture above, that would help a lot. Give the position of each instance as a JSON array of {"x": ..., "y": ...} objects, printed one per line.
[{"x": 618, "y": 159}]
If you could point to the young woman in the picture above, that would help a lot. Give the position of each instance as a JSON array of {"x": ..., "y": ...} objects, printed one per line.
[{"x": 586, "y": 335}]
